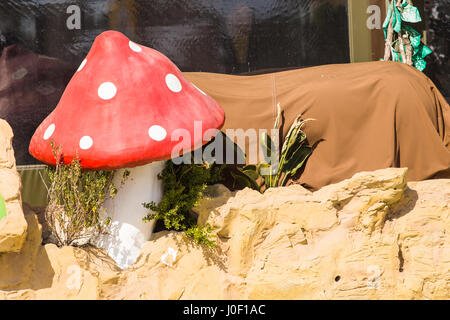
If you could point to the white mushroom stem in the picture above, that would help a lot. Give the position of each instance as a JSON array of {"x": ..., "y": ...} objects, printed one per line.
[{"x": 128, "y": 232}]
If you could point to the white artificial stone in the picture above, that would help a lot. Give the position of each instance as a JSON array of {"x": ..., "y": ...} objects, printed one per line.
[
  {"x": 172, "y": 253},
  {"x": 128, "y": 233}
]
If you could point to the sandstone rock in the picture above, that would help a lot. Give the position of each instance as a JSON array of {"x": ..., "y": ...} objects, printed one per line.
[
  {"x": 16, "y": 268},
  {"x": 369, "y": 237},
  {"x": 49, "y": 272},
  {"x": 6, "y": 151},
  {"x": 13, "y": 227},
  {"x": 194, "y": 273}
]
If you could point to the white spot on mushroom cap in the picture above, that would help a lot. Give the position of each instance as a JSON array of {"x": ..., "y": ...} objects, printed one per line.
[
  {"x": 82, "y": 65},
  {"x": 49, "y": 132},
  {"x": 135, "y": 47},
  {"x": 107, "y": 90},
  {"x": 86, "y": 142},
  {"x": 199, "y": 89},
  {"x": 173, "y": 83},
  {"x": 157, "y": 133}
]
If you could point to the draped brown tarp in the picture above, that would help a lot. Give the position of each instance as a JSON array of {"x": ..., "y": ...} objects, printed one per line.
[{"x": 368, "y": 116}]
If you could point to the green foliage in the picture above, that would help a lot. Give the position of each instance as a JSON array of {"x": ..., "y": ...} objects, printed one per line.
[
  {"x": 245, "y": 177},
  {"x": 183, "y": 187},
  {"x": 201, "y": 234},
  {"x": 294, "y": 154},
  {"x": 75, "y": 212}
]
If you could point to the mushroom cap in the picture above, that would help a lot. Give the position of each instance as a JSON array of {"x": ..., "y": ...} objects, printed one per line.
[{"x": 127, "y": 105}]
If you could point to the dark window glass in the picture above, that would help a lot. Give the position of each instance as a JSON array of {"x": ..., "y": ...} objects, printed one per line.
[
  {"x": 437, "y": 24},
  {"x": 41, "y": 45}
]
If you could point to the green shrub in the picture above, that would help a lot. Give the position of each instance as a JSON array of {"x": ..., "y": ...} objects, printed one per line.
[
  {"x": 75, "y": 213},
  {"x": 183, "y": 187},
  {"x": 294, "y": 153}
]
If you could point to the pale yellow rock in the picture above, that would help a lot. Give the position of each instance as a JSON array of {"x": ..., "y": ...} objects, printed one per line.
[
  {"x": 71, "y": 279},
  {"x": 192, "y": 272},
  {"x": 6, "y": 151},
  {"x": 346, "y": 241},
  {"x": 16, "y": 267},
  {"x": 13, "y": 227},
  {"x": 214, "y": 197},
  {"x": 48, "y": 272},
  {"x": 9, "y": 184}
]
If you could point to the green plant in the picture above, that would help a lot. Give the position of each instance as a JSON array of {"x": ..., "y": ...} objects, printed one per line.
[
  {"x": 183, "y": 187},
  {"x": 294, "y": 154},
  {"x": 74, "y": 212}
]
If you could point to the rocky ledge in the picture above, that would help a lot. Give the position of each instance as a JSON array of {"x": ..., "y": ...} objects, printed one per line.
[{"x": 373, "y": 236}]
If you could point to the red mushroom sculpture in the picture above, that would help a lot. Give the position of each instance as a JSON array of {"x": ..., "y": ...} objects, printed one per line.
[{"x": 124, "y": 108}]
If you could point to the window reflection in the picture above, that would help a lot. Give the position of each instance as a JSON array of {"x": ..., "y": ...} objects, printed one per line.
[
  {"x": 437, "y": 18},
  {"x": 39, "y": 52},
  {"x": 227, "y": 36}
]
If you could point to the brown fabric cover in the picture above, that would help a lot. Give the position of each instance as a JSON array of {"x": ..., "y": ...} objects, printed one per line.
[{"x": 368, "y": 116}]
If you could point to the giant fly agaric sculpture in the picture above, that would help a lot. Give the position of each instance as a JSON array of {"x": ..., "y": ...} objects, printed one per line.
[{"x": 127, "y": 106}]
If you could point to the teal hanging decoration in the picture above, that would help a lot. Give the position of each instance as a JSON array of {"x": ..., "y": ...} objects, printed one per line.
[
  {"x": 403, "y": 43},
  {"x": 410, "y": 13},
  {"x": 414, "y": 36},
  {"x": 418, "y": 57}
]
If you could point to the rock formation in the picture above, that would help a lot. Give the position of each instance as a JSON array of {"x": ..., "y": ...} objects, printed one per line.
[
  {"x": 373, "y": 236},
  {"x": 13, "y": 227}
]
